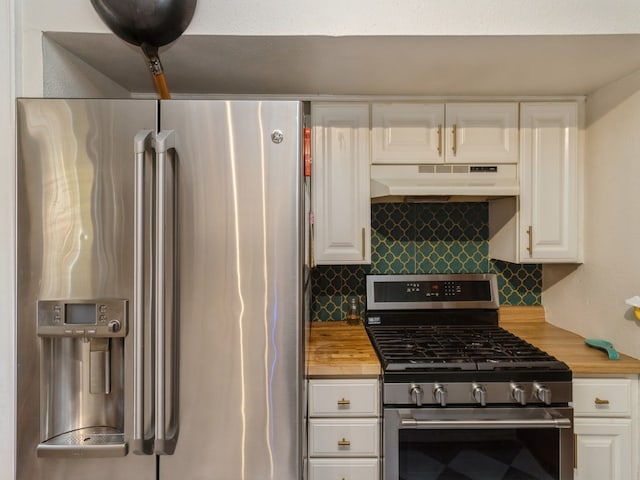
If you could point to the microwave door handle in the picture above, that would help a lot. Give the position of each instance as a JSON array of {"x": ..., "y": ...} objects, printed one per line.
[
  {"x": 143, "y": 144},
  {"x": 166, "y": 438}
]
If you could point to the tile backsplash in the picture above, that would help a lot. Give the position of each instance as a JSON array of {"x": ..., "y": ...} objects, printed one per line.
[{"x": 424, "y": 238}]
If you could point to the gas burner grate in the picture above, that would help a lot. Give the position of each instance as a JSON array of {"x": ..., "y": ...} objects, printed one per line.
[{"x": 456, "y": 347}]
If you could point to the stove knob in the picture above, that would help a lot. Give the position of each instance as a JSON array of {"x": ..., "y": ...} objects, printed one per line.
[
  {"x": 440, "y": 395},
  {"x": 480, "y": 395},
  {"x": 543, "y": 393},
  {"x": 518, "y": 394},
  {"x": 415, "y": 391}
]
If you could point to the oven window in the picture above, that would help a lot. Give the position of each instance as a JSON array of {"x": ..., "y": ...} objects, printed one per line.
[{"x": 479, "y": 454}]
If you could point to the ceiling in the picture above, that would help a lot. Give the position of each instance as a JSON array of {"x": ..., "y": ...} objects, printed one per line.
[{"x": 367, "y": 65}]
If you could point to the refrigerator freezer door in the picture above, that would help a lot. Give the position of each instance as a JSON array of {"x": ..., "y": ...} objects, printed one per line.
[
  {"x": 239, "y": 354},
  {"x": 75, "y": 241}
]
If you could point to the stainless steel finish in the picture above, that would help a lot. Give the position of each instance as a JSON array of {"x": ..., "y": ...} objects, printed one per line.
[
  {"x": 114, "y": 326},
  {"x": 141, "y": 442},
  {"x": 75, "y": 222},
  {"x": 166, "y": 428},
  {"x": 53, "y": 322},
  {"x": 240, "y": 286},
  {"x": 559, "y": 419},
  {"x": 234, "y": 326},
  {"x": 518, "y": 394},
  {"x": 461, "y": 393},
  {"x": 415, "y": 391},
  {"x": 439, "y": 395},
  {"x": 100, "y": 366},
  {"x": 488, "y": 423},
  {"x": 94, "y": 442},
  {"x": 479, "y": 393},
  {"x": 543, "y": 393},
  {"x": 372, "y": 304}
]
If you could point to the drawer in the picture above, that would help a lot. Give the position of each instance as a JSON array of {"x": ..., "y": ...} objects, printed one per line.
[
  {"x": 333, "y": 398},
  {"x": 343, "y": 469},
  {"x": 598, "y": 397},
  {"x": 354, "y": 437}
]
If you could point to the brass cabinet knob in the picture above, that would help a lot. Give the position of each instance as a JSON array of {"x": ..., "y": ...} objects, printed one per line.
[{"x": 344, "y": 442}]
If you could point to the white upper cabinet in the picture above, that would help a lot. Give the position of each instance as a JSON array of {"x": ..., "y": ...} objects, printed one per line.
[
  {"x": 544, "y": 224},
  {"x": 411, "y": 133},
  {"x": 340, "y": 183},
  {"x": 407, "y": 133},
  {"x": 549, "y": 182},
  {"x": 481, "y": 133}
]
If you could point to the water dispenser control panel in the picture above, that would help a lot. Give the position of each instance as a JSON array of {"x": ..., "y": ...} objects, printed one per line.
[{"x": 82, "y": 318}]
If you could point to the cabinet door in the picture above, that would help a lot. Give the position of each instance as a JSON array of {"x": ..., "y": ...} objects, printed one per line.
[
  {"x": 407, "y": 133},
  {"x": 603, "y": 448},
  {"x": 481, "y": 133},
  {"x": 340, "y": 178},
  {"x": 549, "y": 179}
]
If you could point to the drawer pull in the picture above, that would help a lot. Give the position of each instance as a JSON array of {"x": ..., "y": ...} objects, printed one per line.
[
  {"x": 599, "y": 401},
  {"x": 343, "y": 402},
  {"x": 344, "y": 442}
]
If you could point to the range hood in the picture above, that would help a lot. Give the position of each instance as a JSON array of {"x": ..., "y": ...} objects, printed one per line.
[{"x": 443, "y": 182}]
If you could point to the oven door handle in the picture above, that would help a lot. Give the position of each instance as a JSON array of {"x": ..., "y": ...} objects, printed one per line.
[{"x": 558, "y": 422}]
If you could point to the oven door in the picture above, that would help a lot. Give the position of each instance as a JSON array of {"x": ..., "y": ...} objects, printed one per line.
[{"x": 478, "y": 443}]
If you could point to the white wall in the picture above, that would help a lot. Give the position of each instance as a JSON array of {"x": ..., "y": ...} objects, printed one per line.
[
  {"x": 355, "y": 17},
  {"x": 66, "y": 76},
  {"x": 7, "y": 259},
  {"x": 589, "y": 299}
]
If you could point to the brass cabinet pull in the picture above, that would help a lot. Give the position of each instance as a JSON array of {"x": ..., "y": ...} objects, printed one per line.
[
  {"x": 363, "y": 245},
  {"x": 344, "y": 401},
  {"x": 439, "y": 140},
  {"x": 530, "y": 247},
  {"x": 454, "y": 133},
  {"x": 599, "y": 401},
  {"x": 575, "y": 450},
  {"x": 344, "y": 442}
]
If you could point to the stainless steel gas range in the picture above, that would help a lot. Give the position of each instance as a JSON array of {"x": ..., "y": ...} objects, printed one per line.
[{"x": 463, "y": 398}]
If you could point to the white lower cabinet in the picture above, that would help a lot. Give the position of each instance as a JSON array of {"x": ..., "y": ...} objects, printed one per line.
[
  {"x": 339, "y": 469},
  {"x": 605, "y": 426},
  {"x": 344, "y": 429}
]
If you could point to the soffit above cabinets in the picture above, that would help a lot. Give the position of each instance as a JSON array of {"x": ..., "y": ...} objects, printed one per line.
[{"x": 309, "y": 66}]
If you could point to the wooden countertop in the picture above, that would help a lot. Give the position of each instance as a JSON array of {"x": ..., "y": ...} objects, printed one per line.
[
  {"x": 337, "y": 349},
  {"x": 529, "y": 324}
]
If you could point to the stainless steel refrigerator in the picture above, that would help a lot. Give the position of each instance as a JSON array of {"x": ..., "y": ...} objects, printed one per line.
[{"x": 160, "y": 290}]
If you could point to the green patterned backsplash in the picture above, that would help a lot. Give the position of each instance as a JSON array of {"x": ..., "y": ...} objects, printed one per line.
[{"x": 424, "y": 238}]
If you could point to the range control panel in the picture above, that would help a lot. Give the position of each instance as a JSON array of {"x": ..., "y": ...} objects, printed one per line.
[
  {"x": 403, "y": 292},
  {"x": 82, "y": 318}
]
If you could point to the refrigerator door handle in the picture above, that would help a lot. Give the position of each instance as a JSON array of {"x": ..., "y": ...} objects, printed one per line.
[
  {"x": 142, "y": 443},
  {"x": 166, "y": 435}
]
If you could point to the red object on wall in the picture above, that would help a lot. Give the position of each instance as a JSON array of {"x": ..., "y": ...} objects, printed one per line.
[{"x": 307, "y": 152}]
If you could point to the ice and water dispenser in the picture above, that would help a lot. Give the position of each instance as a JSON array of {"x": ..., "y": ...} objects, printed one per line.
[{"x": 82, "y": 377}]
